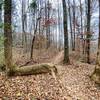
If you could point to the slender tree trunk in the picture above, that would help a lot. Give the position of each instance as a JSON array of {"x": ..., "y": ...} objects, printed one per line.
[
  {"x": 98, "y": 53},
  {"x": 46, "y": 20},
  {"x": 96, "y": 74},
  {"x": 59, "y": 26},
  {"x": 40, "y": 16},
  {"x": 33, "y": 40},
  {"x": 71, "y": 25},
  {"x": 66, "y": 43},
  {"x": 74, "y": 25},
  {"x": 81, "y": 13},
  {"x": 48, "y": 26},
  {"x": 8, "y": 34},
  {"x": 0, "y": 17},
  {"x": 47, "y": 17},
  {"x": 88, "y": 33},
  {"x": 24, "y": 26},
  {"x": 1, "y": 3}
]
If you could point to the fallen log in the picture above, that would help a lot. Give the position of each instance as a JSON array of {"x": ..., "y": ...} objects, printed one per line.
[
  {"x": 96, "y": 75},
  {"x": 33, "y": 70}
]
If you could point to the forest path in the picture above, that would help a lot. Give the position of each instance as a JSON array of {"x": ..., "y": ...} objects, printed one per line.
[
  {"x": 73, "y": 83},
  {"x": 75, "y": 80},
  {"x": 58, "y": 58}
]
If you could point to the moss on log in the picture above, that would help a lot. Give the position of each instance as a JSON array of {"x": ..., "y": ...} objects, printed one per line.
[{"x": 33, "y": 70}]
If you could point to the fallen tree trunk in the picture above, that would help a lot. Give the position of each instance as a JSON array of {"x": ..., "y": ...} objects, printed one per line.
[
  {"x": 96, "y": 75},
  {"x": 33, "y": 70}
]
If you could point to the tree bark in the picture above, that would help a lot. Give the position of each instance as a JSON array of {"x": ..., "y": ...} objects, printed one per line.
[
  {"x": 66, "y": 43},
  {"x": 71, "y": 25},
  {"x": 81, "y": 13},
  {"x": 24, "y": 26},
  {"x": 96, "y": 74},
  {"x": 8, "y": 34},
  {"x": 47, "y": 18},
  {"x": 88, "y": 33},
  {"x": 1, "y": 15},
  {"x": 33, "y": 40},
  {"x": 74, "y": 25},
  {"x": 59, "y": 26}
]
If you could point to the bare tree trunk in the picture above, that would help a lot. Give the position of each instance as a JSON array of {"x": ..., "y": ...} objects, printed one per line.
[
  {"x": 48, "y": 28},
  {"x": 59, "y": 26},
  {"x": 66, "y": 43},
  {"x": 88, "y": 33},
  {"x": 0, "y": 16},
  {"x": 81, "y": 13},
  {"x": 74, "y": 25},
  {"x": 47, "y": 17},
  {"x": 71, "y": 25},
  {"x": 45, "y": 23},
  {"x": 98, "y": 53},
  {"x": 40, "y": 16},
  {"x": 24, "y": 26},
  {"x": 96, "y": 74},
  {"x": 8, "y": 34},
  {"x": 33, "y": 40}
]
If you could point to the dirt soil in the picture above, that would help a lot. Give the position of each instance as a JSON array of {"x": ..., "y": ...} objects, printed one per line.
[{"x": 73, "y": 83}]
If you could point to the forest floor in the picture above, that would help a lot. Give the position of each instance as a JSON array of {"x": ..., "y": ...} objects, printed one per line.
[{"x": 72, "y": 83}]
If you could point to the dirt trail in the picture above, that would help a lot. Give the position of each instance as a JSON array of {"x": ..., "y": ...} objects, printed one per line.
[
  {"x": 75, "y": 80},
  {"x": 73, "y": 83},
  {"x": 58, "y": 58}
]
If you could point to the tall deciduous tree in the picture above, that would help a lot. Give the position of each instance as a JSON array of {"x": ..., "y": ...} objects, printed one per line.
[
  {"x": 34, "y": 8},
  {"x": 48, "y": 26},
  {"x": 71, "y": 30},
  {"x": 81, "y": 14},
  {"x": 96, "y": 73},
  {"x": 8, "y": 34},
  {"x": 1, "y": 2},
  {"x": 66, "y": 44},
  {"x": 24, "y": 25},
  {"x": 59, "y": 26},
  {"x": 74, "y": 15},
  {"x": 88, "y": 32}
]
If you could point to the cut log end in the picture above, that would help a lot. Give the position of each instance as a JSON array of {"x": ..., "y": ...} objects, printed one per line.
[
  {"x": 96, "y": 75},
  {"x": 96, "y": 78}
]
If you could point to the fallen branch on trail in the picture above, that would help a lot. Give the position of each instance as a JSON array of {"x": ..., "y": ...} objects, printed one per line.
[{"x": 33, "y": 70}]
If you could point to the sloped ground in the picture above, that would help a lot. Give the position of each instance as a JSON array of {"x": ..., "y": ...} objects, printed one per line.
[
  {"x": 39, "y": 56},
  {"x": 73, "y": 83},
  {"x": 76, "y": 79}
]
